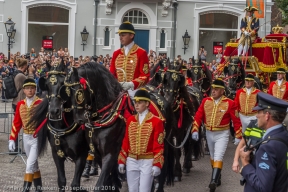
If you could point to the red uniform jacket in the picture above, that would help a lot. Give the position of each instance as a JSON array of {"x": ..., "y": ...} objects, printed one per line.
[
  {"x": 217, "y": 117},
  {"x": 135, "y": 65},
  {"x": 145, "y": 141},
  {"x": 281, "y": 91},
  {"x": 22, "y": 117},
  {"x": 245, "y": 103}
]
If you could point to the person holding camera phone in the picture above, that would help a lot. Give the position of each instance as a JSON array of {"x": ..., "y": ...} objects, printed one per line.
[{"x": 202, "y": 53}]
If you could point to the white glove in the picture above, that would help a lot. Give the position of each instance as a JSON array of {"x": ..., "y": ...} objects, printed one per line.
[
  {"x": 237, "y": 141},
  {"x": 195, "y": 136},
  {"x": 127, "y": 85},
  {"x": 156, "y": 171},
  {"x": 121, "y": 168},
  {"x": 246, "y": 33},
  {"x": 11, "y": 145}
]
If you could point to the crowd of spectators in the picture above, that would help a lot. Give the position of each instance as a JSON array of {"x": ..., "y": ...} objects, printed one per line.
[{"x": 38, "y": 61}]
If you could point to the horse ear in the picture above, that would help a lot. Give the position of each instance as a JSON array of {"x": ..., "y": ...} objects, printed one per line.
[
  {"x": 158, "y": 77},
  {"x": 182, "y": 81},
  {"x": 193, "y": 60},
  {"x": 64, "y": 93},
  {"x": 42, "y": 84},
  {"x": 75, "y": 77},
  {"x": 189, "y": 73},
  {"x": 48, "y": 65}
]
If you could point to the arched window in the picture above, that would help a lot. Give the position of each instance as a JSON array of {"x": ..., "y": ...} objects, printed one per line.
[
  {"x": 106, "y": 37},
  {"x": 162, "y": 39},
  {"x": 136, "y": 17}
]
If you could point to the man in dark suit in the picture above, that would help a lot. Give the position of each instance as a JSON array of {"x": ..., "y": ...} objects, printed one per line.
[{"x": 268, "y": 171}]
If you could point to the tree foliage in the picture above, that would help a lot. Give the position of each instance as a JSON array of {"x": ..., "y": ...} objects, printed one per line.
[{"x": 283, "y": 5}]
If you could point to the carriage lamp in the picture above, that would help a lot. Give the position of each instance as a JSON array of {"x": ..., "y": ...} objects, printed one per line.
[
  {"x": 9, "y": 26},
  {"x": 186, "y": 40},
  {"x": 84, "y": 36}
]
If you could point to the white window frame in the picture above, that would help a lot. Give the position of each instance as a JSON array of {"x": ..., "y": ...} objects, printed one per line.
[
  {"x": 139, "y": 10},
  {"x": 1, "y": 18},
  {"x": 1, "y": 38}
]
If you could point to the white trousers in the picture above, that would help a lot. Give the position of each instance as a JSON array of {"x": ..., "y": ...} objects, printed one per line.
[
  {"x": 30, "y": 146},
  {"x": 217, "y": 143},
  {"x": 139, "y": 174},
  {"x": 245, "y": 120}
]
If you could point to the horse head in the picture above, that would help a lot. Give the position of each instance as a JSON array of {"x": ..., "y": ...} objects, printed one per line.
[
  {"x": 52, "y": 83},
  {"x": 234, "y": 74},
  {"x": 89, "y": 98},
  {"x": 173, "y": 80},
  {"x": 196, "y": 72}
]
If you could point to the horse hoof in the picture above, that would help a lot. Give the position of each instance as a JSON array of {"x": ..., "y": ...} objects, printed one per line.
[
  {"x": 177, "y": 179},
  {"x": 186, "y": 170}
]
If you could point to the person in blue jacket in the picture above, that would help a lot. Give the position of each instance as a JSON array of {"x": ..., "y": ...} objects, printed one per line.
[
  {"x": 249, "y": 30},
  {"x": 268, "y": 171}
]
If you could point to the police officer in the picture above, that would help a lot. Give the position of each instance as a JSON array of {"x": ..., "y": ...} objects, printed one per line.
[
  {"x": 268, "y": 170},
  {"x": 217, "y": 111}
]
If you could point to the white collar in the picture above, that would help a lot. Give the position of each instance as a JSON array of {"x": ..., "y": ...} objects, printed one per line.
[
  {"x": 29, "y": 101},
  {"x": 144, "y": 113},
  {"x": 217, "y": 100},
  {"x": 279, "y": 82},
  {"x": 129, "y": 46}
]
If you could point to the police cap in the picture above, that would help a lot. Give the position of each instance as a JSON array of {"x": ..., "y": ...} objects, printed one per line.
[{"x": 266, "y": 101}]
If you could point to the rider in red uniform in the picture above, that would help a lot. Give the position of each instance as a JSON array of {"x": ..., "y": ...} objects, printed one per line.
[{"x": 279, "y": 88}]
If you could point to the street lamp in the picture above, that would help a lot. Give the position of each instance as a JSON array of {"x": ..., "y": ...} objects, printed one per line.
[
  {"x": 186, "y": 40},
  {"x": 9, "y": 26},
  {"x": 84, "y": 36}
]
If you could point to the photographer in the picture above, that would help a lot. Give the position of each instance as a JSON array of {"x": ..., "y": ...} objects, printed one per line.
[
  {"x": 268, "y": 170},
  {"x": 202, "y": 54}
]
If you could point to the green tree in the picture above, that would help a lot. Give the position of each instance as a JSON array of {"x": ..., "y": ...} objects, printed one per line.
[{"x": 283, "y": 5}]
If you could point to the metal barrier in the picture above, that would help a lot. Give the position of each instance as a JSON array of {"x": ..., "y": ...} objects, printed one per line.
[{"x": 6, "y": 119}]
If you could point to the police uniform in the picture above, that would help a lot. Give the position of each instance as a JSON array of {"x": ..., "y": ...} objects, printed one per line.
[
  {"x": 216, "y": 116},
  {"x": 130, "y": 63},
  {"x": 22, "y": 117},
  {"x": 142, "y": 148},
  {"x": 248, "y": 25},
  {"x": 268, "y": 170},
  {"x": 279, "y": 88},
  {"x": 245, "y": 100}
]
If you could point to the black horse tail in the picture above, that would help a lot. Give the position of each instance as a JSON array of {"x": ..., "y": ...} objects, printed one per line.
[{"x": 37, "y": 118}]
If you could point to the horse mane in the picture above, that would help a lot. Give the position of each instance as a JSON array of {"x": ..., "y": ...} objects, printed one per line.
[
  {"x": 101, "y": 81},
  {"x": 154, "y": 69},
  {"x": 38, "y": 113}
]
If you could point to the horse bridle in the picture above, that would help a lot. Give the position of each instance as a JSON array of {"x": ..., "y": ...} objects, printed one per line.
[
  {"x": 234, "y": 67},
  {"x": 52, "y": 77},
  {"x": 80, "y": 96}
]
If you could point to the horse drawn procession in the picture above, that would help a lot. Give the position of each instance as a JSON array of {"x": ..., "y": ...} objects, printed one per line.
[{"x": 135, "y": 123}]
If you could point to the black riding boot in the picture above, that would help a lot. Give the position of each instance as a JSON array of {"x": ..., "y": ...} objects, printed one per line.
[
  {"x": 94, "y": 168},
  {"x": 37, "y": 181},
  {"x": 87, "y": 169},
  {"x": 219, "y": 181},
  {"x": 38, "y": 184},
  {"x": 27, "y": 186},
  {"x": 214, "y": 179}
]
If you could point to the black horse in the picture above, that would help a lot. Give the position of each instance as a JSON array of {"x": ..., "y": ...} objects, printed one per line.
[
  {"x": 176, "y": 94},
  {"x": 201, "y": 77},
  {"x": 158, "y": 68},
  {"x": 235, "y": 77},
  {"x": 54, "y": 118},
  {"x": 99, "y": 101}
]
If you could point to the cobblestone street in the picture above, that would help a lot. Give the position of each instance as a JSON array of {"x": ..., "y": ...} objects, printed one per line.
[{"x": 11, "y": 178}]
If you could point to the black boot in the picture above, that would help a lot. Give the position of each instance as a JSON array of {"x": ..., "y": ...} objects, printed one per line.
[
  {"x": 87, "y": 169},
  {"x": 214, "y": 179},
  {"x": 26, "y": 186},
  {"x": 219, "y": 181},
  {"x": 38, "y": 184},
  {"x": 94, "y": 168}
]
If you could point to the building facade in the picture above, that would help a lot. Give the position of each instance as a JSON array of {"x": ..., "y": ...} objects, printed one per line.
[{"x": 206, "y": 21}]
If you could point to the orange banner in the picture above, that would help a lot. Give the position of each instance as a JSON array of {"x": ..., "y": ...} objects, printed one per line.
[{"x": 260, "y": 5}]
